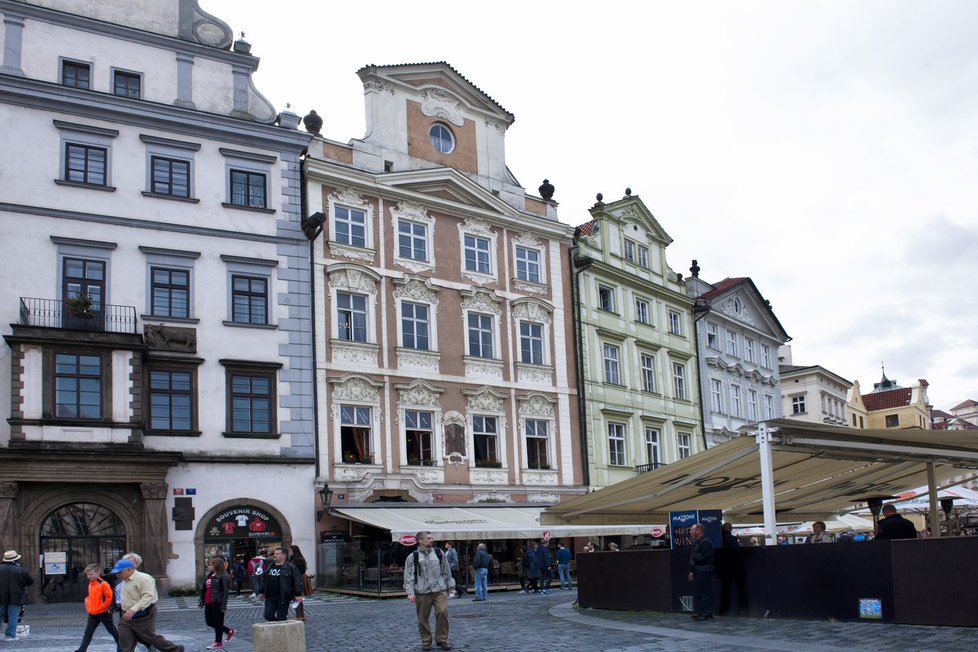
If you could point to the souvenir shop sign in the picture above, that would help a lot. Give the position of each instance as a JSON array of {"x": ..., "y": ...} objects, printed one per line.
[{"x": 244, "y": 523}]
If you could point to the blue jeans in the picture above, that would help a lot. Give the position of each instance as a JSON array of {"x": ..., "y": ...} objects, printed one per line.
[
  {"x": 12, "y": 612},
  {"x": 564, "y": 571},
  {"x": 481, "y": 583}
]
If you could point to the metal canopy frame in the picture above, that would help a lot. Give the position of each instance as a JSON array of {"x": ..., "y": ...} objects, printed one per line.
[{"x": 784, "y": 470}]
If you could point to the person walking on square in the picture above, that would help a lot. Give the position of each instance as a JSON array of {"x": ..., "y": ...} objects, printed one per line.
[
  {"x": 481, "y": 562},
  {"x": 280, "y": 585},
  {"x": 563, "y": 567},
  {"x": 256, "y": 568},
  {"x": 302, "y": 566},
  {"x": 138, "y": 603},
  {"x": 543, "y": 563},
  {"x": 701, "y": 573},
  {"x": 14, "y": 581},
  {"x": 451, "y": 554},
  {"x": 428, "y": 583},
  {"x": 214, "y": 600},
  {"x": 98, "y": 604},
  {"x": 238, "y": 574},
  {"x": 532, "y": 566}
]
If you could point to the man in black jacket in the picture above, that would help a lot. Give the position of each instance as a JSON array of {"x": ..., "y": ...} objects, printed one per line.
[
  {"x": 894, "y": 526},
  {"x": 281, "y": 584},
  {"x": 14, "y": 581},
  {"x": 701, "y": 572}
]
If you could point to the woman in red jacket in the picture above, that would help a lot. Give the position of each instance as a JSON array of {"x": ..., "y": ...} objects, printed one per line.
[{"x": 97, "y": 605}]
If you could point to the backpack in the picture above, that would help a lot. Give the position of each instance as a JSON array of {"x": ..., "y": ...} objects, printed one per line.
[{"x": 417, "y": 566}]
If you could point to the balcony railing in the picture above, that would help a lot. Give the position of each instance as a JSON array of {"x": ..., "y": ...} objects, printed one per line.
[
  {"x": 53, "y": 313},
  {"x": 645, "y": 468}
]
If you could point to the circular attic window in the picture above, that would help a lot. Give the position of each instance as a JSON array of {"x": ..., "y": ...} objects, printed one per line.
[{"x": 441, "y": 138}]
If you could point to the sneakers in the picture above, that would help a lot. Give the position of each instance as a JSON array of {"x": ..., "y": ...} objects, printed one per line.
[
  {"x": 215, "y": 646},
  {"x": 10, "y": 638},
  {"x": 545, "y": 591},
  {"x": 524, "y": 591},
  {"x": 230, "y": 634}
]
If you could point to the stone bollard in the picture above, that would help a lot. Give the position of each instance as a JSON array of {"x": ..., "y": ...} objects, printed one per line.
[{"x": 281, "y": 636}]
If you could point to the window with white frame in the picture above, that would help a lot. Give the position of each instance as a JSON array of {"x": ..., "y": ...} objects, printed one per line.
[
  {"x": 643, "y": 255},
  {"x": 652, "y": 446},
  {"x": 616, "y": 444},
  {"x": 531, "y": 343},
  {"x": 716, "y": 396},
  {"x": 752, "y": 404},
  {"x": 485, "y": 438},
  {"x": 765, "y": 356},
  {"x": 415, "y": 325},
  {"x": 749, "y": 349},
  {"x": 731, "y": 343},
  {"x": 648, "y": 372},
  {"x": 679, "y": 380},
  {"x": 355, "y": 427},
  {"x": 798, "y": 404},
  {"x": 476, "y": 254},
  {"x": 527, "y": 264},
  {"x": 684, "y": 445},
  {"x": 675, "y": 323},
  {"x": 537, "y": 443},
  {"x": 480, "y": 328},
  {"x": 412, "y": 240},
  {"x": 349, "y": 226},
  {"x": 712, "y": 336},
  {"x": 768, "y": 406},
  {"x": 735, "y": 400},
  {"x": 418, "y": 437},
  {"x": 629, "y": 250},
  {"x": 612, "y": 371},
  {"x": 606, "y": 298},
  {"x": 351, "y": 316},
  {"x": 642, "y": 311}
]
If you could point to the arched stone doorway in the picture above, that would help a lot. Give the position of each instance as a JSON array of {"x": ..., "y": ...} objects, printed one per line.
[
  {"x": 239, "y": 528},
  {"x": 71, "y": 537}
]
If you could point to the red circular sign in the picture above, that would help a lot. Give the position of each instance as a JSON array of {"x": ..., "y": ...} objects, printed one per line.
[
  {"x": 408, "y": 540},
  {"x": 656, "y": 532},
  {"x": 546, "y": 536}
]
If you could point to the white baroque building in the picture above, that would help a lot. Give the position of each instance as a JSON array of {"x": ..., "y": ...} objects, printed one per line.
[
  {"x": 156, "y": 370},
  {"x": 738, "y": 337}
]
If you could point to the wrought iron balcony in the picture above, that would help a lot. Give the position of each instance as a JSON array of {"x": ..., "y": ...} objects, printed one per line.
[
  {"x": 645, "y": 468},
  {"x": 53, "y": 313}
]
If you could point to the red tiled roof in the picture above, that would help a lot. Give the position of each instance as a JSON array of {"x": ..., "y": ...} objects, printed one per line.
[
  {"x": 723, "y": 286},
  {"x": 965, "y": 404},
  {"x": 585, "y": 229},
  {"x": 886, "y": 400}
]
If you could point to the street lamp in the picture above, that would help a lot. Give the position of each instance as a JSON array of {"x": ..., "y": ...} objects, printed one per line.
[{"x": 326, "y": 497}]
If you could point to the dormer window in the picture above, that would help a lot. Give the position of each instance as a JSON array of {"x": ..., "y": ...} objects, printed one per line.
[{"x": 441, "y": 138}]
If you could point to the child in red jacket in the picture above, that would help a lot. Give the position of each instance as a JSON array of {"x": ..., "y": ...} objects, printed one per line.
[{"x": 97, "y": 605}]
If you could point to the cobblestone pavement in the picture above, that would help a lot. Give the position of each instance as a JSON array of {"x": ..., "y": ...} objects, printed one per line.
[{"x": 506, "y": 621}]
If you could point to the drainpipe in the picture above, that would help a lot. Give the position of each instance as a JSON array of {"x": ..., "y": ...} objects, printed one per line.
[
  {"x": 312, "y": 321},
  {"x": 576, "y": 267}
]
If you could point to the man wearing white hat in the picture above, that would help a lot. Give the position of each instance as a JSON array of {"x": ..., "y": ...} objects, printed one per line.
[
  {"x": 14, "y": 581},
  {"x": 139, "y": 610}
]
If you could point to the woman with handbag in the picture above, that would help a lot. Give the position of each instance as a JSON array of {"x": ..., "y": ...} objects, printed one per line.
[{"x": 300, "y": 565}]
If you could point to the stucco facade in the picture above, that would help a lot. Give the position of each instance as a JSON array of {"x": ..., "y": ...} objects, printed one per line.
[
  {"x": 156, "y": 311},
  {"x": 738, "y": 337},
  {"x": 811, "y": 393},
  {"x": 444, "y": 353},
  {"x": 637, "y": 352}
]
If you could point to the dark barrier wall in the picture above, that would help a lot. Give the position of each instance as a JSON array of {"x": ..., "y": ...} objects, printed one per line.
[
  {"x": 637, "y": 580},
  {"x": 935, "y": 583},
  {"x": 923, "y": 582}
]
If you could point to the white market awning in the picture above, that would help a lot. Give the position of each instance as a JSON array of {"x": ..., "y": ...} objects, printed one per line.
[{"x": 473, "y": 522}]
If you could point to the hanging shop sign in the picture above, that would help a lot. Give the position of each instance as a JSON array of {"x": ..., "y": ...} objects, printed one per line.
[{"x": 244, "y": 522}]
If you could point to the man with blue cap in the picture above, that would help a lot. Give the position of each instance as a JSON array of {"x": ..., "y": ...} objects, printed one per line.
[{"x": 138, "y": 597}]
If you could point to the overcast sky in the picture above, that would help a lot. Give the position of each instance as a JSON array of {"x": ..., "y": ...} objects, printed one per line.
[{"x": 828, "y": 150}]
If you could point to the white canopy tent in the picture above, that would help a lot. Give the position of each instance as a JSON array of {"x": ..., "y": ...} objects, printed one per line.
[{"x": 784, "y": 470}]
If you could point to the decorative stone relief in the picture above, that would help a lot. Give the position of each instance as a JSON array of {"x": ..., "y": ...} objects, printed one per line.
[
  {"x": 492, "y": 497},
  {"x": 485, "y": 400},
  {"x": 358, "y": 354},
  {"x": 170, "y": 338},
  {"x": 542, "y": 497},
  {"x": 536, "y": 405},
  {"x": 354, "y": 253},
  {"x": 351, "y": 278},
  {"x": 489, "y": 476},
  {"x": 528, "y": 374},
  {"x": 532, "y": 310},
  {"x": 529, "y": 286},
  {"x": 352, "y": 198},
  {"x": 480, "y": 300},
  {"x": 416, "y": 288},
  {"x": 355, "y": 389},
  {"x": 483, "y": 368},
  {"x": 439, "y": 103},
  {"x": 527, "y": 239},
  {"x": 539, "y": 477},
  {"x": 431, "y": 476},
  {"x": 414, "y": 212},
  {"x": 153, "y": 490},
  {"x": 480, "y": 228},
  {"x": 418, "y": 360},
  {"x": 350, "y": 472},
  {"x": 377, "y": 86},
  {"x": 453, "y": 437},
  {"x": 419, "y": 394}
]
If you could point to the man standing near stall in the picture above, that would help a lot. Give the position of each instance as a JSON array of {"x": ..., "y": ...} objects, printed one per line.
[
  {"x": 701, "y": 573},
  {"x": 428, "y": 583}
]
